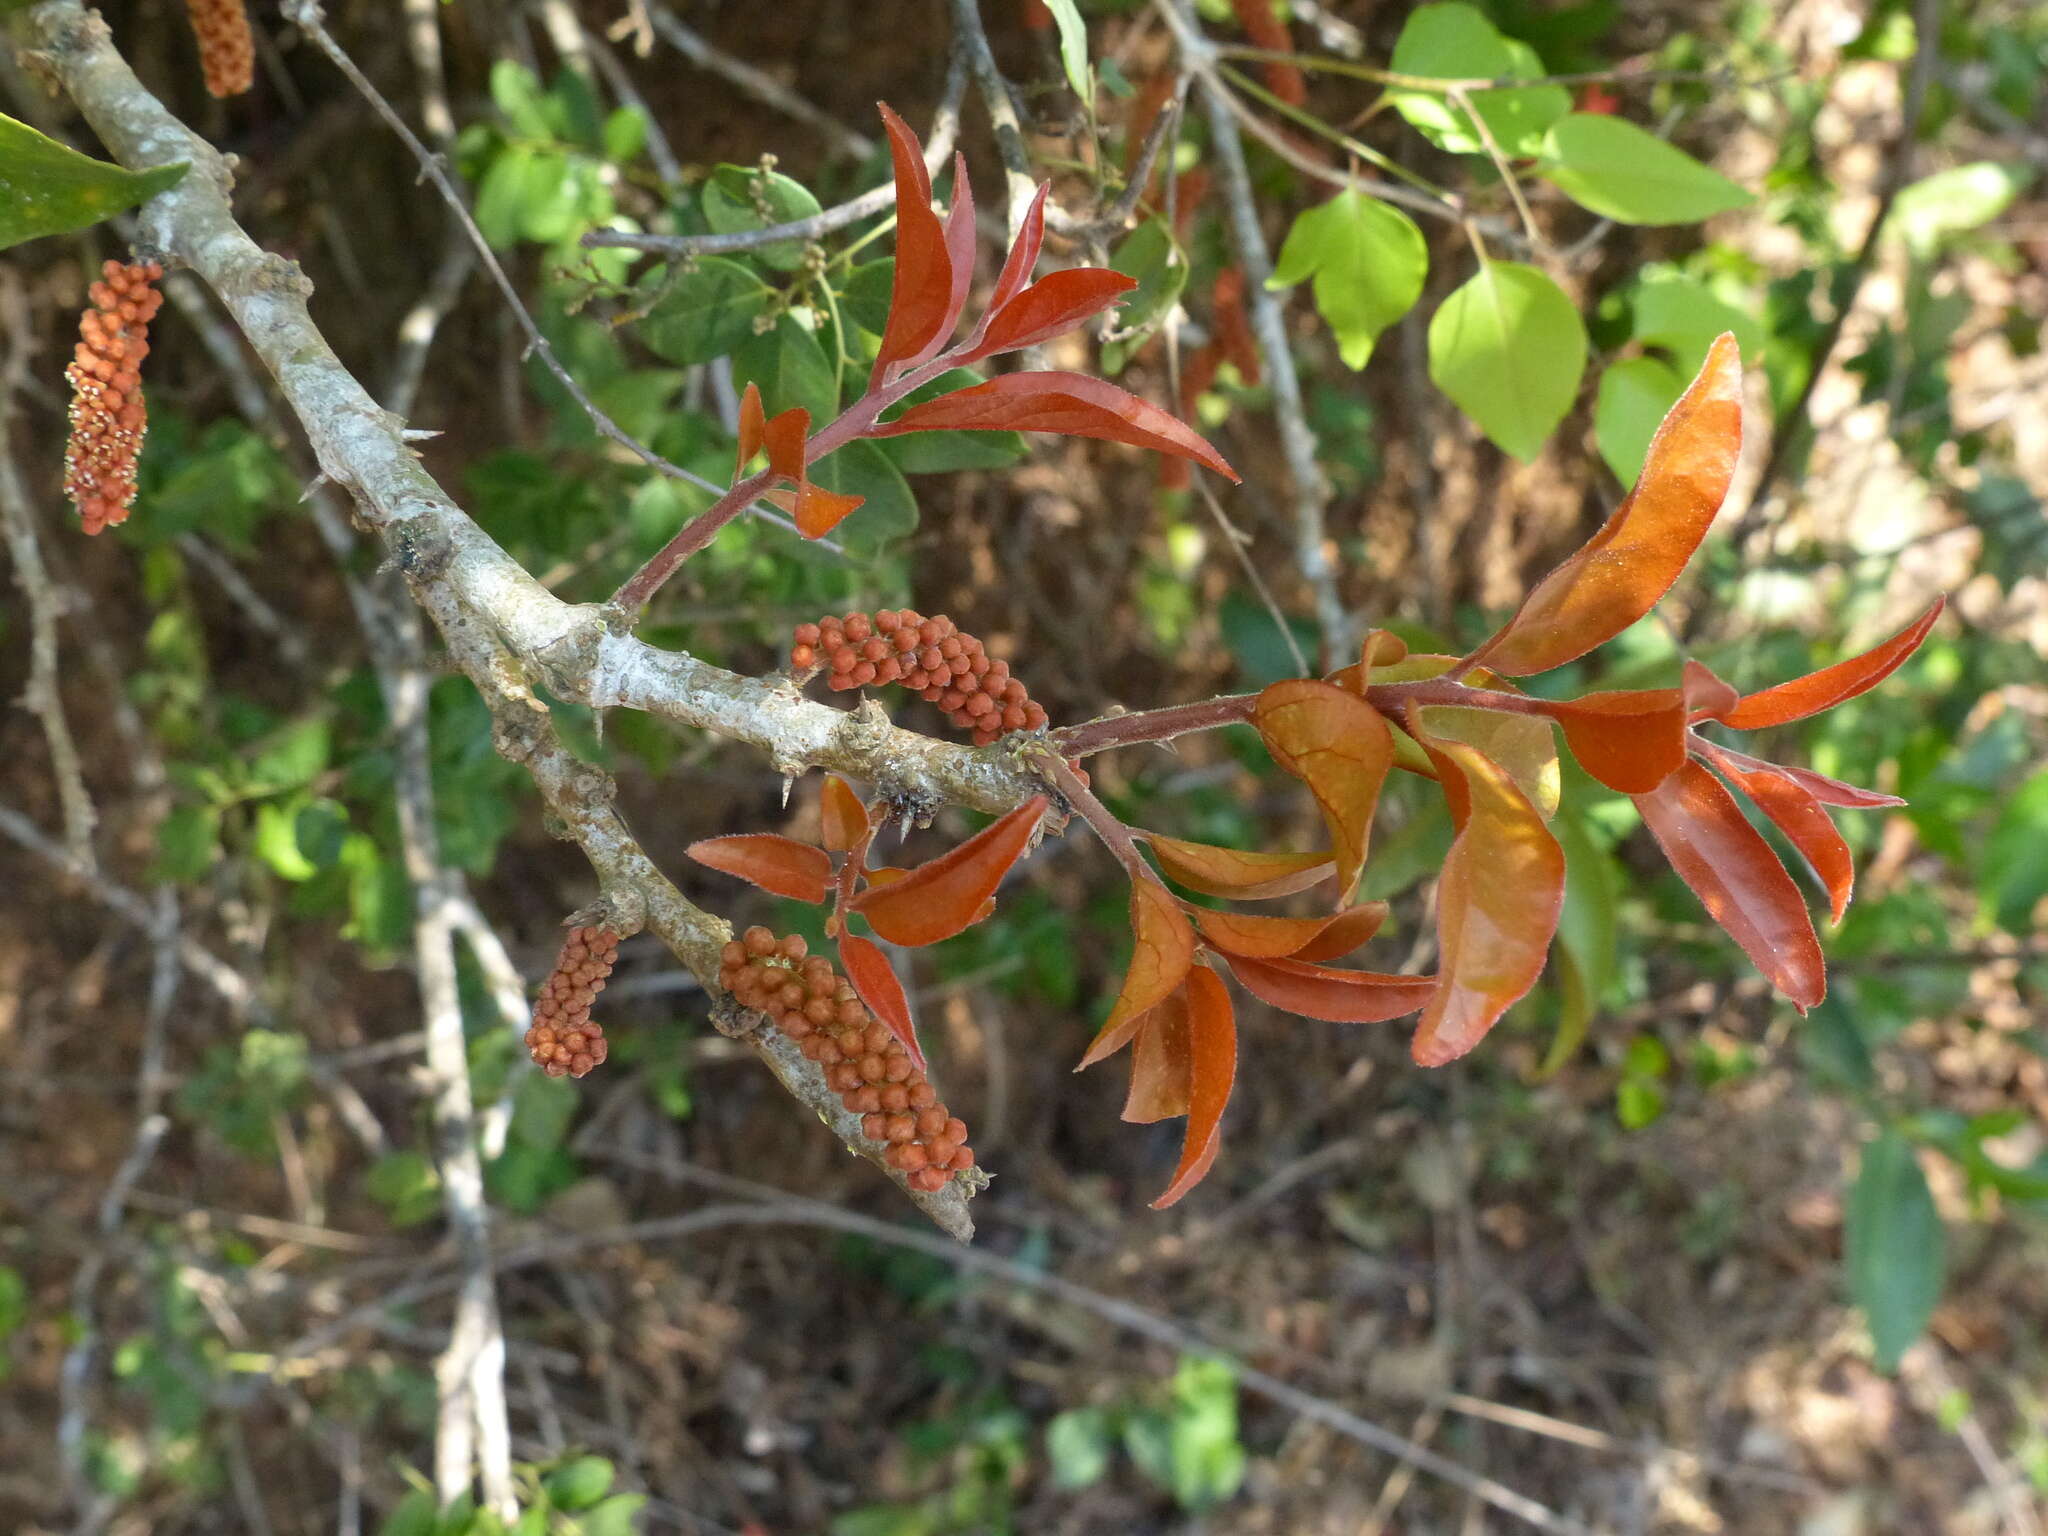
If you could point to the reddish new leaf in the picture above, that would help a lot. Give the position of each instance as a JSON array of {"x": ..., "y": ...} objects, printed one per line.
[
  {"x": 1319, "y": 992},
  {"x": 1272, "y": 938},
  {"x": 1816, "y": 691},
  {"x": 1052, "y": 306},
  {"x": 1346, "y": 931},
  {"x": 1617, "y": 575},
  {"x": 1497, "y": 907},
  {"x": 874, "y": 978},
  {"x": 1159, "y": 1061},
  {"x": 753, "y": 427},
  {"x": 1631, "y": 741},
  {"x": 1795, "y": 811},
  {"x": 1525, "y": 745},
  {"x": 1238, "y": 876},
  {"x": 1707, "y": 697},
  {"x": 1069, "y": 404},
  {"x": 1338, "y": 745},
  {"x": 939, "y": 898},
  {"x": 923, "y": 290},
  {"x": 1824, "y": 789},
  {"x": 1023, "y": 257},
  {"x": 1266, "y": 30},
  {"x": 1734, "y": 873},
  {"x": 960, "y": 234},
  {"x": 785, "y": 438},
  {"x": 844, "y": 819},
  {"x": 778, "y": 864},
  {"x": 818, "y": 511},
  {"x": 1162, "y": 949},
  {"x": 1212, "y": 1070}
]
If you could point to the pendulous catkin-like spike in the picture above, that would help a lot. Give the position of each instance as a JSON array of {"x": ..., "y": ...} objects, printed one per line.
[
  {"x": 563, "y": 1041},
  {"x": 863, "y": 1060},
  {"x": 227, "y": 48},
  {"x": 108, "y": 417},
  {"x": 930, "y": 656}
]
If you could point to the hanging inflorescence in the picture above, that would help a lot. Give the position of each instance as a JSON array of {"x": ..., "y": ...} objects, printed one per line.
[
  {"x": 227, "y": 48},
  {"x": 564, "y": 1041},
  {"x": 108, "y": 417}
]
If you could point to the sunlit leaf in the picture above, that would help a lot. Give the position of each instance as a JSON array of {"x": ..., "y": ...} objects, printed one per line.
[
  {"x": 47, "y": 188},
  {"x": 1212, "y": 1070},
  {"x": 1162, "y": 949},
  {"x": 939, "y": 898},
  {"x": 1368, "y": 261},
  {"x": 1525, "y": 745},
  {"x": 1809, "y": 695},
  {"x": 1824, "y": 789},
  {"x": 844, "y": 818},
  {"x": 1319, "y": 992},
  {"x": 1238, "y": 876},
  {"x": 1497, "y": 907},
  {"x": 1627, "y": 174},
  {"x": 1509, "y": 347},
  {"x": 1733, "y": 871},
  {"x": 1270, "y": 938},
  {"x": 1631, "y": 741},
  {"x": 874, "y": 978},
  {"x": 1795, "y": 811},
  {"x": 779, "y": 864},
  {"x": 1338, "y": 745}
]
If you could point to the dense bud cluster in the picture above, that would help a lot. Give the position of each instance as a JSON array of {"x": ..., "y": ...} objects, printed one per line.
[
  {"x": 227, "y": 49},
  {"x": 931, "y": 656},
  {"x": 563, "y": 1040},
  {"x": 863, "y": 1060},
  {"x": 108, "y": 417}
]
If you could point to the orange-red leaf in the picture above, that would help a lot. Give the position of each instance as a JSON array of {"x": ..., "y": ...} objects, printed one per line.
[
  {"x": 960, "y": 234},
  {"x": 819, "y": 511},
  {"x": 844, "y": 819},
  {"x": 1617, "y": 575},
  {"x": 1266, "y": 30},
  {"x": 1272, "y": 938},
  {"x": 1824, "y": 789},
  {"x": 923, "y": 290},
  {"x": 1707, "y": 697},
  {"x": 1238, "y": 876},
  {"x": 1162, "y": 949},
  {"x": 939, "y": 898},
  {"x": 1342, "y": 997},
  {"x": 1795, "y": 811},
  {"x": 1159, "y": 1061},
  {"x": 753, "y": 427},
  {"x": 1497, "y": 906},
  {"x": 785, "y": 438},
  {"x": 1052, "y": 306},
  {"x": 778, "y": 864},
  {"x": 1816, "y": 691},
  {"x": 1023, "y": 257},
  {"x": 1525, "y": 745},
  {"x": 1212, "y": 1070},
  {"x": 1733, "y": 871},
  {"x": 874, "y": 978},
  {"x": 1070, "y": 404},
  {"x": 1631, "y": 741},
  {"x": 1338, "y": 745}
]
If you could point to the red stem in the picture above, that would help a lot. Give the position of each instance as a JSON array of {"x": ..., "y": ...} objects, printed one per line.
[{"x": 1116, "y": 837}]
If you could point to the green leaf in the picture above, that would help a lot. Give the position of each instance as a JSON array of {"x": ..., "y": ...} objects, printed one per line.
[
  {"x": 188, "y": 843},
  {"x": 1077, "y": 1443},
  {"x": 1368, "y": 260},
  {"x": 1638, "y": 1101},
  {"x": 1509, "y": 348},
  {"x": 2013, "y": 872},
  {"x": 741, "y": 198},
  {"x": 1585, "y": 945},
  {"x": 1954, "y": 202},
  {"x": 1457, "y": 42},
  {"x": 517, "y": 94},
  {"x": 791, "y": 368},
  {"x": 1683, "y": 315},
  {"x": 526, "y": 194},
  {"x": 291, "y": 758},
  {"x": 1073, "y": 46},
  {"x": 890, "y": 511},
  {"x": 47, "y": 188},
  {"x": 616, "y": 1516},
  {"x": 625, "y": 134},
  {"x": 1634, "y": 395},
  {"x": 1623, "y": 173},
  {"x": 1160, "y": 267},
  {"x": 580, "y": 1483},
  {"x": 415, "y": 1515},
  {"x": 406, "y": 1185},
  {"x": 706, "y": 312},
  {"x": 277, "y": 841},
  {"x": 1893, "y": 1247},
  {"x": 865, "y": 294}
]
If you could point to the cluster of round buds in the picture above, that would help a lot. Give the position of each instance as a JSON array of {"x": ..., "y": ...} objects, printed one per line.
[
  {"x": 864, "y": 1062},
  {"x": 932, "y": 656},
  {"x": 108, "y": 417},
  {"x": 227, "y": 49},
  {"x": 563, "y": 1041}
]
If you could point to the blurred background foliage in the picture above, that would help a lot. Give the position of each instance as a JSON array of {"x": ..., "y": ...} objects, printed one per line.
[{"x": 1663, "y": 1256}]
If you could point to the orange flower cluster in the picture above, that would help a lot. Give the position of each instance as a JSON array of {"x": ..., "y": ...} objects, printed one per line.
[
  {"x": 227, "y": 49},
  {"x": 863, "y": 1060},
  {"x": 932, "y": 656},
  {"x": 108, "y": 417},
  {"x": 563, "y": 1041}
]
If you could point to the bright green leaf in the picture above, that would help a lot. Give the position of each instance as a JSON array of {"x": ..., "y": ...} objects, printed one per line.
[
  {"x": 516, "y": 93},
  {"x": 1368, "y": 260},
  {"x": 1457, "y": 42},
  {"x": 1508, "y": 347},
  {"x": 1683, "y": 315},
  {"x": 580, "y": 1483},
  {"x": 47, "y": 188},
  {"x": 1953, "y": 202},
  {"x": 277, "y": 841},
  {"x": 1893, "y": 1247},
  {"x": 1073, "y": 46},
  {"x": 1635, "y": 393},
  {"x": 1623, "y": 173},
  {"x": 1077, "y": 1442}
]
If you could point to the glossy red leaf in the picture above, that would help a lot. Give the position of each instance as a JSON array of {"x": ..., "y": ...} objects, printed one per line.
[
  {"x": 844, "y": 820},
  {"x": 1273, "y": 938},
  {"x": 779, "y": 864},
  {"x": 1707, "y": 697},
  {"x": 1618, "y": 575},
  {"x": 1162, "y": 949},
  {"x": 1159, "y": 1061},
  {"x": 1052, "y": 306},
  {"x": 1319, "y": 992},
  {"x": 1497, "y": 906},
  {"x": 1346, "y": 931},
  {"x": 1068, "y": 404},
  {"x": 753, "y": 427},
  {"x": 818, "y": 511},
  {"x": 1212, "y": 1071},
  {"x": 1238, "y": 876},
  {"x": 785, "y": 437},
  {"x": 1795, "y": 811},
  {"x": 874, "y": 978},
  {"x": 1023, "y": 258},
  {"x": 1824, "y": 789},
  {"x": 941, "y": 897},
  {"x": 1734, "y": 873},
  {"x": 1816, "y": 691},
  {"x": 960, "y": 234},
  {"x": 1631, "y": 741},
  {"x": 923, "y": 290},
  {"x": 1338, "y": 745}
]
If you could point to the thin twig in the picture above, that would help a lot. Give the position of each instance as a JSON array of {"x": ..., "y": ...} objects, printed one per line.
[{"x": 764, "y": 89}]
